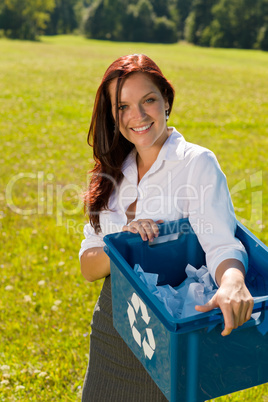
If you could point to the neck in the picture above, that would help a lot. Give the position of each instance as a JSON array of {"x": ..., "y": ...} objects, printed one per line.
[
  {"x": 143, "y": 165},
  {"x": 147, "y": 157}
]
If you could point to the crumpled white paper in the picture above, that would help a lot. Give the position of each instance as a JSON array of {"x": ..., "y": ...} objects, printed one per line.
[{"x": 180, "y": 301}]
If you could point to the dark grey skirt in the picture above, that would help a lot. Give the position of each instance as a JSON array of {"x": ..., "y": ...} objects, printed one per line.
[{"x": 114, "y": 373}]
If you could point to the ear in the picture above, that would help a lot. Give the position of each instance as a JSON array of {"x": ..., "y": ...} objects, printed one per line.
[{"x": 166, "y": 105}]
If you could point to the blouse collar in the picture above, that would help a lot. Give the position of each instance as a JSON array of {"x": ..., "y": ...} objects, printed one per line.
[{"x": 172, "y": 150}]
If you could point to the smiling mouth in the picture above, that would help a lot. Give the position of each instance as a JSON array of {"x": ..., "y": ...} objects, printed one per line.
[{"x": 140, "y": 129}]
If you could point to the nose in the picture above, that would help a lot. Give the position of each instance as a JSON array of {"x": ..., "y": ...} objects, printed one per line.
[{"x": 138, "y": 112}]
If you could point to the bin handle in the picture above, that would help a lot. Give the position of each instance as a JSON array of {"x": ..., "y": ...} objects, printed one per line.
[
  {"x": 170, "y": 230},
  {"x": 173, "y": 227}
]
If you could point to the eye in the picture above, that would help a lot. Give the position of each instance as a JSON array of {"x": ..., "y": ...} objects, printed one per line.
[
  {"x": 150, "y": 100},
  {"x": 122, "y": 107}
]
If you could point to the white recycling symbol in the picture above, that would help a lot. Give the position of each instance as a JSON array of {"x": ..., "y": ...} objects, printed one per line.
[{"x": 133, "y": 308}]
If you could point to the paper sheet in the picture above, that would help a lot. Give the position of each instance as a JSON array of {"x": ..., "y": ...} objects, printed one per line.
[{"x": 180, "y": 302}]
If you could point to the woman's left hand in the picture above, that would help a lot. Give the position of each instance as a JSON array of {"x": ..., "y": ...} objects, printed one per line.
[
  {"x": 234, "y": 300},
  {"x": 147, "y": 228}
]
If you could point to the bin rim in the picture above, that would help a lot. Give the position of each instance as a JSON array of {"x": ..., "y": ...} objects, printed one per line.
[{"x": 197, "y": 321}]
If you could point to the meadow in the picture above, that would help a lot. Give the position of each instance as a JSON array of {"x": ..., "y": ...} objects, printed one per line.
[{"x": 47, "y": 91}]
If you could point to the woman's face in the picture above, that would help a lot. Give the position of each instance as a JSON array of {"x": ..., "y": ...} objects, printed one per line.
[{"x": 142, "y": 111}]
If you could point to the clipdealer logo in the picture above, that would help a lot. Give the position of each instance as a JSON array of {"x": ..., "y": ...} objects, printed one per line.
[
  {"x": 254, "y": 205},
  {"x": 49, "y": 198}
]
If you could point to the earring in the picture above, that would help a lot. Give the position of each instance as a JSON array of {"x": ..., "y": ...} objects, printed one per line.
[{"x": 167, "y": 115}]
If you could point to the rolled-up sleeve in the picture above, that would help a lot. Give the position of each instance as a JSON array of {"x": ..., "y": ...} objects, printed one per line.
[
  {"x": 91, "y": 239},
  {"x": 211, "y": 213}
]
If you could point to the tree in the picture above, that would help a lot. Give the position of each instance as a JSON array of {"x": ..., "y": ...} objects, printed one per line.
[
  {"x": 262, "y": 35},
  {"x": 228, "y": 23},
  {"x": 62, "y": 18},
  {"x": 198, "y": 19},
  {"x": 149, "y": 21},
  {"x": 128, "y": 20},
  {"x": 25, "y": 19},
  {"x": 262, "y": 38},
  {"x": 103, "y": 20},
  {"x": 235, "y": 23},
  {"x": 161, "y": 7},
  {"x": 182, "y": 8},
  {"x": 139, "y": 22},
  {"x": 81, "y": 11},
  {"x": 165, "y": 30}
]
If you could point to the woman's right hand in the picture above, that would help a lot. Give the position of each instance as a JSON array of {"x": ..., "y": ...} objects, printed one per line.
[{"x": 147, "y": 228}]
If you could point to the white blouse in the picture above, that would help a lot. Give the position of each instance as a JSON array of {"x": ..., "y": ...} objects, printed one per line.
[{"x": 184, "y": 181}]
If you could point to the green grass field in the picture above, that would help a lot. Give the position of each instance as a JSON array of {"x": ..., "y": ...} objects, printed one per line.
[{"x": 47, "y": 91}]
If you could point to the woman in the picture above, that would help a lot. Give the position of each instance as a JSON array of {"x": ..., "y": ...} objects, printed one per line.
[{"x": 145, "y": 172}]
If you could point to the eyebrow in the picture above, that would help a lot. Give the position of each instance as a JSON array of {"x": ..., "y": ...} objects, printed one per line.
[{"x": 149, "y": 93}]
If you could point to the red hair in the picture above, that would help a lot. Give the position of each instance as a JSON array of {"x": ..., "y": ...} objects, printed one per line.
[{"x": 110, "y": 148}]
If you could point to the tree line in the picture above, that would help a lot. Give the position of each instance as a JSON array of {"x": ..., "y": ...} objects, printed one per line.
[{"x": 217, "y": 23}]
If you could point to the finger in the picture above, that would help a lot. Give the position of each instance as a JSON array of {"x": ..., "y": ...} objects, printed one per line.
[
  {"x": 228, "y": 316},
  {"x": 150, "y": 228},
  {"x": 237, "y": 308},
  {"x": 249, "y": 310},
  {"x": 156, "y": 228},
  {"x": 210, "y": 305},
  {"x": 134, "y": 227},
  {"x": 160, "y": 221},
  {"x": 240, "y": 313},
  {"x": 246, "y": 311},
  {"x": 139, "y": 229},
  {"x": 243, "y": 313},
  {"x": 153, "y": 226},
  {"x": 128, "y": 228}
]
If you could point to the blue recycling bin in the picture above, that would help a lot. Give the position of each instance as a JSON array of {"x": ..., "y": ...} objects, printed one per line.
[{"x": 187, "y": 358}]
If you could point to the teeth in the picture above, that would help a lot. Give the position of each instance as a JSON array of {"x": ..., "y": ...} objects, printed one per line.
[{"x": 142, "y": 128}]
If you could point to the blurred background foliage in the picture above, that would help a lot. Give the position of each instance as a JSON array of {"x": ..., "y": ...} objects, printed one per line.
[{"x": 216, "y": 23}]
